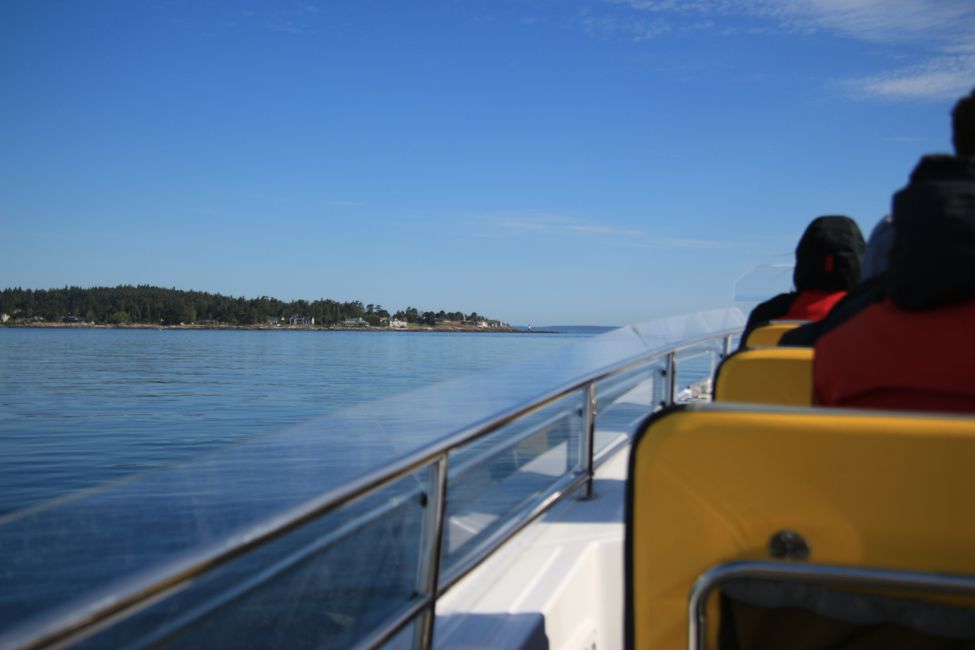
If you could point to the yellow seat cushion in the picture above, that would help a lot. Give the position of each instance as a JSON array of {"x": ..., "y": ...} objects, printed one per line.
[
  {"x": 711, "y": 484},
  {"x": 766, "y": 376},
  {"x": 770, "y": 334}
]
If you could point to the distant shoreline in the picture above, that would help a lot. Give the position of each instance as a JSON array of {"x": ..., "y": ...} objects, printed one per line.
[{"x": 274, "y": 328}]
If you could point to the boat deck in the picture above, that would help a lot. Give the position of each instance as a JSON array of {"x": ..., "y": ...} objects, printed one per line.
[{"x": 559, "y": 582}]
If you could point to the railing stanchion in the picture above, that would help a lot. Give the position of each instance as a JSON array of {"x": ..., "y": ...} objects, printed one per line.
[
  {"x": 658, "y": 379},
  {"x": 589, "y": 437},
  {"x": 671, "y": 377},
  {"x": 431, "y": 542},
  {"x": 726, "y": 351}
]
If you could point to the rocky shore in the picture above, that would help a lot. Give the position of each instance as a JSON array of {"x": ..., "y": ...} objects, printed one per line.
[{"x": 265, "y": 327}]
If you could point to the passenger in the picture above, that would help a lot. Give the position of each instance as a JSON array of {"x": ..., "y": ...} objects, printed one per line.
[
  {"x": 877, "y": 256},
  {"x": 914, "y": 349},
  {"x": 870, "y": 290},
  {"x": 827, "y": 266}
]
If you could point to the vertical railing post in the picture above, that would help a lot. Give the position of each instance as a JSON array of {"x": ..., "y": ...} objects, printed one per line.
[
  {"x": 658, "y": 380},
  {"x": 588, "y": 437},
  {"x": 431, "y": 542},
  {"x": 671, "y": 377},
  {"x": 718, "y": 357}
]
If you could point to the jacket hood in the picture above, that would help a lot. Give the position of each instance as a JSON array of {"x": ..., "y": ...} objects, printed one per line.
[
  {"x": 932, "y": 261},
  {"x": 877, "y": 256},
  {"x": 828, "y": 255}
]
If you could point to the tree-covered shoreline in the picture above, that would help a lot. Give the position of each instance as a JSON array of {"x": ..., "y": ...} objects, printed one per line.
[{"x": 144, "y": 304}]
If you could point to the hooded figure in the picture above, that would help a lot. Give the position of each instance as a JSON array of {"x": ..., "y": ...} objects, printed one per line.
[
  {"x": 876, "y": 259},
  {"x": 827, "y": 266},
  {"x": 871, "y": 289},
  {"x": 912, "y": 349},
  {"x": 931, "y": 262}
]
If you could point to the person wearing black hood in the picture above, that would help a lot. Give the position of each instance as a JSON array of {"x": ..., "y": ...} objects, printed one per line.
[
  {"x": 827, "y": 266},
  {"x": 872, "y": 288},
  {"x": 914, "y": 349}
]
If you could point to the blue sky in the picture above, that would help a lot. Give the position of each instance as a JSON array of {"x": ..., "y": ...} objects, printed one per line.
[{"x": 590, "y": 161}]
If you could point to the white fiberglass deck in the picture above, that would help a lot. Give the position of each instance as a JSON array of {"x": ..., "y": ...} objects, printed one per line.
[{"x": 558, "y": 583}]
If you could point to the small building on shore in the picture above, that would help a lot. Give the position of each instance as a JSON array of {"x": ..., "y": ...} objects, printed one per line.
[
  {"x": 493, "y": 324},
  {"x": 301, "y": 321},
  {"x": 354, "y": 322}
]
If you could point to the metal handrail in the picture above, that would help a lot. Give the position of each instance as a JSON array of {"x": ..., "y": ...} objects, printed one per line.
[
  {"x": 66, "y": 627},
  {"x": 824, "y": 574}
]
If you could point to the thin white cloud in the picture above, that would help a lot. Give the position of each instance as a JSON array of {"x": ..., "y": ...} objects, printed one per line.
[
  {"x": 964, "y": 45},
  {"x": 287, "y": 27},
  {"x": 874, "y": 20},
  {"x": 940, "y": 78},
  {"x": 605, "y": 230},
  {"x": 525, "y": 226},
  {"x": 681, "y": 243},
  {"x": 530, "y": 223},
  {"x": 344, "y": 204},
  {"x": 298, "y": 19},
  {"x": 632, "y": 29},
  {"x": 905, "y": 139},
  {"x": 944, "y": 29},
  {"x": 557, "y": 224},
  {"x": 879, "y": 20}
]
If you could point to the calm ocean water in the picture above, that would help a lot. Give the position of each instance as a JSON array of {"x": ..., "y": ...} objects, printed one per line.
[{"x": 82, "y": 407}]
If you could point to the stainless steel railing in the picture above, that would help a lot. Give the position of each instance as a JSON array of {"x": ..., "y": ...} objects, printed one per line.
[
  {"x": 811, "y": 574},
  {"x": 661, "y": 355}
]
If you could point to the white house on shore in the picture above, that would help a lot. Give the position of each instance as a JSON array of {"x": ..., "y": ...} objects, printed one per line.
[
  {"x": 397, "y": 324},
  {"x": 301, "y": 320}
]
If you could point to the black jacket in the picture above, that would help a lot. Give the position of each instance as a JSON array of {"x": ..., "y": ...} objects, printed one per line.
[
  {"x": 827, "y": 258},
  {"x": 865, "y": 294},
  {"x": 771, "y": 309},
  {"x": 932, "y": 262}
]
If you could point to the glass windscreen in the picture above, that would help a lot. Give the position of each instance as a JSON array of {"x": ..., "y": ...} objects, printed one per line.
[{"x": 345, "y": 573}]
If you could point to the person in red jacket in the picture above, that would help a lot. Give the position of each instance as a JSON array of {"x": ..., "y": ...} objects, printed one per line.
[
  {"x": 827, "y": 266},
  {"x": 915, "y": 348}
]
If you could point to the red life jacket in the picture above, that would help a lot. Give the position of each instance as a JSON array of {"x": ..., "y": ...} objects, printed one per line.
[
  {"x": 813, "y": 304},
  {"x": 892, "y": 359}
]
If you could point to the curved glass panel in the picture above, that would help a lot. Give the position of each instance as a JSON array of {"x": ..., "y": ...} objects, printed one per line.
[{"x": 180, "y": 541}]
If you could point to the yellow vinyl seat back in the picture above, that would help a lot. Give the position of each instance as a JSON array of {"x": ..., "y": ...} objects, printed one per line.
[
  {"x": 781, "y": 376},
  {"x": 771, "y": 333},
  {"x": 709, "y": 484}
]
